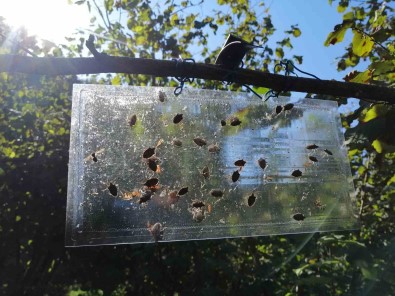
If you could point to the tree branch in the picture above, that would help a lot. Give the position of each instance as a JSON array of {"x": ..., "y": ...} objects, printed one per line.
[{"x": 165, "y": 68}]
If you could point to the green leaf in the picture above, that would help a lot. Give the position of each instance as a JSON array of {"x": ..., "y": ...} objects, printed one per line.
[
  {"x": 373, "y": 112},
  {"x": 279, "y": 52},
  {"x": 360, "y": 77},
  {"x": 296, "y": 32},
  {"x": 338, "y": 33},
  {"x": 361, "y": 45},
  {"x": 348, "y": 16}
]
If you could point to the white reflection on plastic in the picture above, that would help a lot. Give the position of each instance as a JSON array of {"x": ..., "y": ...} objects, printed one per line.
[{"x": 147, "y": 166}]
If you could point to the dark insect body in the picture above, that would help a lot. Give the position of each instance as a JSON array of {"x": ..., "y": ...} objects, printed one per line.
[
  {"x": 133, "y": 120},
  {"x": 198, "y": 204},
  {"x": 148, "y": 152},
  {"x": 297, "y": 173},
  {"x": 156, "y": 231},
  {"x": 94, "y": 158},
  {"x": 279, "y": 109},
  {"x": 235, "y": 121},
  {"x": 328, "y": 152},
  {"x": 151, "y": 182},
  {"x": 251, "y": 200},
  {"x": 235, "y": 176},
  {"x": 313, "y": 158},
  {"x": 206, "y": 172},
  {"x": 240, "y": 162},
  {"x": 177, "y": 143},
  {"x": 113, "y": 189},
  {"x": 313, "y": 146},
  {"x": 217, "y": 193},
  {"x": 288, "y": 106},
  {"x": 223, "y": 122},
  {"x": 152, "y": 164},
  {"x": 298, "y": 217},
  {"x": 200, "y": 142},
  {"x": 213, "y": 148},
  {"x": 177, "y": 118},
  {"x": 262, "y": 163},
  {"x": 162, "y": 96},
  {"x": 146, "y": 196},
  {"x": 183, "y": 191}
]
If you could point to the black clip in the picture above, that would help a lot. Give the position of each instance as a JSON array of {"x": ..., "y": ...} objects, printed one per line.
[{"x": 179, "y": 62}]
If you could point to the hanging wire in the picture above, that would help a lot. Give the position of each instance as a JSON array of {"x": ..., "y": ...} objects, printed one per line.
[
  {"x": 289, "y": 68},
  {"x": 179, "y": 63}
]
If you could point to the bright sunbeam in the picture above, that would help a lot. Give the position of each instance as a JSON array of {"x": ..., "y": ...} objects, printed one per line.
[{"x": 47, "y": 19}]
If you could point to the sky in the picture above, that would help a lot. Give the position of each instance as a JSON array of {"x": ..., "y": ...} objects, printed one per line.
[{"x": 316, "y": 18}]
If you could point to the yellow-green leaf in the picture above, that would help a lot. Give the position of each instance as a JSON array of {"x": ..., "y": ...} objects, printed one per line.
[
  {"x": 361, "y": 45},
  {"x": 360, "y": 77},
  {"x": 373, "y": 112},
  {"x": 18, "y": 218},
  {"x": 296, "y": 32},
  {"x": 338, "y": 33},
  {"x": 279, "y": 52}
]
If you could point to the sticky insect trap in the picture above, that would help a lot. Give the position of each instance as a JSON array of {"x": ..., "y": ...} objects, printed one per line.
[{"x": 146, "y": 166}]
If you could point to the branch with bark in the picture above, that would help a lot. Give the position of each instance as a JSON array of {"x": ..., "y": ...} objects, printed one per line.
[{"x": 164, "y": 68}]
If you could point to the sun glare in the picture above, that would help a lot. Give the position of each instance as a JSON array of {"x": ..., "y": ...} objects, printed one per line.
[{"x": 47, "y": 19}]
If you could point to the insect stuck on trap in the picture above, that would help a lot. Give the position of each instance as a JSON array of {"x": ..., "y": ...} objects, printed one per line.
[
  {"x": 296, "y": 173},
  {"x": 313, "y": 158},
  {"x": 161, "y": 96},
  {"x": 240, "y": 163},
  {"x": 217, "y": 192},
  {"x": 251, "y": 200},
  {"x": 298, "y": 216},
  {"x": 149, "y": 152},
  {"x": 177, "y": 142},
  {"x": 235, "y": 176},
  {"x": 183, "y": 191},
  {"x": 198, "y": 214},
  {"x": 235, "y": 121},
  {"x": 262, "y": 163},
  {"x": 328, "y": 152},
  {"x": 288, "y": 106},
  {"x": 112, "y": 188},
  {"x": 213, "y": 148},
  {"x": 132, "y": 120},
  {"x": 156, "y": 231},
  {"x": 205, "y": 172},
  {"x": 178, "y": 118},
  {"x": 312, "y": 146},
  {"x": 199, "y": 141},
  {"x": 145, "y": 196}
]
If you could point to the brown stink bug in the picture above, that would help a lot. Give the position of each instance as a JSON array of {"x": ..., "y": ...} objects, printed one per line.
[
  {"x": 213, "y": 148},
  {"x": 156, "y": 231},
  {"x": 145, "y": 196},
  {"x": 235, "y": 176},
  {"x": 197, "y": 204},
  {"x": 113, "y": 189},
  {"x": 299, "y": 217},
  {"x": 313, "y": 158},
  {"x": 296, "y": 173},
  {"x": 151, "y": 182},
  {"x": 235, "y": 121},
  {"x": 251, "y": 200},
  {"x": 148, "y": 152},
  {"x": 223, "y": 122},
  {"x": 132, "y": 120},
  {"x": 217, "y": 192},
  {"x": 200, "y": 142},
  {"x": 198, "y": 214},
  {"x": 288, "y": 106},
  {"x": 162, "y": 96},
  {"x": 183, "y": 191},
  {"x": 94, "y": 158},
  {"x": 328, "y": 152},
  {"x": 312, "y": 146},
  {"x": 262, "y": 163},
  {"x": 177, "y": 142},
  {"x": 153, "y": 164},
  {"x": 177, "y": 118},
  {"x": 205, "y": 172},
  {"x": 279, "y": 109},
  {"x": 240, "y": 162}
]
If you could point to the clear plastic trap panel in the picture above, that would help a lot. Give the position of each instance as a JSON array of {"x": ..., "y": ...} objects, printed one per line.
[{"x": 147, "y": 166}]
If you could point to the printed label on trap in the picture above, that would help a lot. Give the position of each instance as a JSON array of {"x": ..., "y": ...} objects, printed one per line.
[{"x": 147, "y": 166}]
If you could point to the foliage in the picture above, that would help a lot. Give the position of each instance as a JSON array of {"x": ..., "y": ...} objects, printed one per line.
[{"x": 34, "y": 135}]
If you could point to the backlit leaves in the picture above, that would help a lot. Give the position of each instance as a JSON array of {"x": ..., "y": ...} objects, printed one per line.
[{"x": 362, "y": 45}]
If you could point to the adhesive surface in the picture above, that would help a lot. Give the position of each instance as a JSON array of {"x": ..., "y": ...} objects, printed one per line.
[{"x": 147, "y": 166}]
